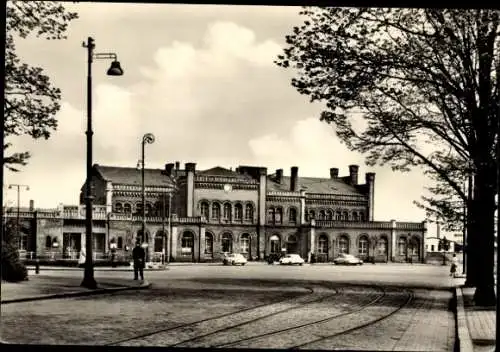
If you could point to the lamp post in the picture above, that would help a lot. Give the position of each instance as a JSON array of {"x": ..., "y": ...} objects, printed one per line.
[
  {"x": 114, "y": 70},
  {"x": 18, "y": 230},
  {"x": 148, "y": 138},
  {"x": 169, "y": 251}
]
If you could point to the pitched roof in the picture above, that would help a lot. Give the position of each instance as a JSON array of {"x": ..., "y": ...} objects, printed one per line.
[
  {"x": 132, "y": 176},
  {"x": 313, "y": 185},
  {"x": 223, "y": 172}
]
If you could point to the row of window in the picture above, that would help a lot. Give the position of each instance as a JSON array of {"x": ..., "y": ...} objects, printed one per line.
[
  {"x": 156, "y": 209},
  {"x": 328, "y": 214},
  {"x": 404, "y": 247},
  {"x": 275, "y": 215},
  {"x": 187, "y": 243},
  {"x": 214, "y": 211}
]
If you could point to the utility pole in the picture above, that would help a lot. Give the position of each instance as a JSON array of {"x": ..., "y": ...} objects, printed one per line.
[
  {"x": 163, "y": 231},
  {"x": 18, "y": 229}
]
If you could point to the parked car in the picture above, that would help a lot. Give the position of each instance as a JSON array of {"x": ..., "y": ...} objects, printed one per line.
[
  {"x": 347, "y": 259},
  {"x": 291, "y": 259},
  {"x": 234, "y": 259}
]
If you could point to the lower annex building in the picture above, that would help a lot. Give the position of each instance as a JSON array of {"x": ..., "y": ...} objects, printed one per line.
[{"x": 219, "y": 210}]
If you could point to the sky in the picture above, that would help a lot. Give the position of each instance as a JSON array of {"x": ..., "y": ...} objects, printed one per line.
[{"x": 201, "y": 78}]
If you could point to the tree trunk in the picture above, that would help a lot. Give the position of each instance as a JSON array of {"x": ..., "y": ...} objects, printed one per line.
[
  {"x": 483, "y": 238},
  {"x": 471, "y": 246}
]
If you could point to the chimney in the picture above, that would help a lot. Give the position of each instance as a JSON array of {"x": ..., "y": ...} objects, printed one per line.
[
  {"x": 334, "y": 172},
  {"x": 353, "y": 174},
  {"x": 168, "y": 169},
  {"x": 190, "y": 167},
  {"x": 294, "y": 179},
  {"x": 177, "y": 165},
  {"x": 279, "y": 175},
  {"x": 32, "y": 205}
]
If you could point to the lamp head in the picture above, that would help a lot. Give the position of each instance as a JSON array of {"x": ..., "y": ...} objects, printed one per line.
[{"x": 115, "y": 69}]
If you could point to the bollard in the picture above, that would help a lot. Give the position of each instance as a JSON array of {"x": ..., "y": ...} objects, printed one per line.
[{"x": 37, "y": 267}]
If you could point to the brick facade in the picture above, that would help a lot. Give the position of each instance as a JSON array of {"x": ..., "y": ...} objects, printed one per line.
[{"x": 218, "y": 210}]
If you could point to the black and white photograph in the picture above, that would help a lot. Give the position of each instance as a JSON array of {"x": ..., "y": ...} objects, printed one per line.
[{"x": 235, "y": 176}]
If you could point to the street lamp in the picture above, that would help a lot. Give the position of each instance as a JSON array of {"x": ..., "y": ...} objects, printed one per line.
[
  {"x": 148, "y": 138},
  {"x": 18, "y": 210},
  {"x": 114, "y": 70}
]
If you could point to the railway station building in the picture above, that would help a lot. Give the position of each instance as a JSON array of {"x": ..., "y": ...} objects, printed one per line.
[{"x": 198, "y": 215}]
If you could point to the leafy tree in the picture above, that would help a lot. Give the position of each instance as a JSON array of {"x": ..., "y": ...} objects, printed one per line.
[
  {"x": 411, "y": 88},
  {"x": 12, "y": 269},
  {"x": 31, "y": 101}
]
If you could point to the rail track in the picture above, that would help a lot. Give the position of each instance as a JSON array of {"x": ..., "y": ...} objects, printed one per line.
[
  {"x": 261, "y": 311},
  {"x": 205, "y": 332}
]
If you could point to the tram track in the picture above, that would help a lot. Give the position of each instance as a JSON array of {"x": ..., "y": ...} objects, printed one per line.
[
  {"x": 371, "y": 322},
  {"x": 190, "y": 328},
  {"x": 289, "y": 330}
]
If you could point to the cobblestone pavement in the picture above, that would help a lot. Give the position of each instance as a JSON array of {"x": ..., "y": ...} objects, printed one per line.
[{"x": 230, "y": 307}]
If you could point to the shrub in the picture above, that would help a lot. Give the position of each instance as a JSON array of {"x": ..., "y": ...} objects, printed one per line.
[{"x": 13, "y": 270}]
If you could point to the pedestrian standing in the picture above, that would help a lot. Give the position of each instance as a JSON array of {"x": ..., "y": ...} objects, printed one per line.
[
  {"x": 454, "y": 264},
  {"x": 139, "y": 256}
]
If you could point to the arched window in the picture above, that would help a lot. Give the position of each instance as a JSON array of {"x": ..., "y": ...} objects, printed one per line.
[
  {"x": 329, "y": 215},
  {"x": 292, "y": 215},
  {"x": 355, "y": 216},
  {"x": 322, "y": 215},
  {"x": 344, "y": 244},
  {"x": 138, "y": 208},
  {"x": 149, "y": 209},
  {"x": 159, "y": 209},
  {"x": 187, "y": 243},
  {"x": 382, "y": 246},
  {"x": 363, "y": 246},
  {"x": 118, "y": 207},
  {"x": 361, "y": 216},
  {"x": 275, "y": 244},
  {"x": 215, "y": 211},
  {"x": 402, "y": 246},
  {"x": 48, "y": 242},
  {"x": 245, "y": 243},
  {"x": 209, "y": 243},
  {"x": 338, "y": 216},
  {"x": 127, "y": 208},
  {"x": 238, "y": 211},
  {"x": 291, "y": 244},
  {"x": 249, "y": 212},
  {"x": 312, "y": 215},
  {"x": 227, "y": 243},
  {"x": 227, "y": 211},
  {"x": 119, "y": 243},
  {"x": 279, "y": 215},
  {"x": 323, "y": 244},
  {"x": 158, "y": 245},
  {"x": 345, "y": 216},
  {"x": 205, "y": 210},
  {"x": 270, "y": 215},
  {"x": 414, "y": 247}
]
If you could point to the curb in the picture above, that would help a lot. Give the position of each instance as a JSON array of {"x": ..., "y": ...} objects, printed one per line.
[
  {"x": 464, "y": 339},
  {"x": 77, "y": 293},
  {"x": 125, "y": 269}
]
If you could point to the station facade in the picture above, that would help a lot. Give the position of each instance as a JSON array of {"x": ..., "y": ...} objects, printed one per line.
[{"x": 198, "y": 215}]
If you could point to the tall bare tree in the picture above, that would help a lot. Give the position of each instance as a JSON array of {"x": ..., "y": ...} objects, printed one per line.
[{"x": 411, "y": 88}]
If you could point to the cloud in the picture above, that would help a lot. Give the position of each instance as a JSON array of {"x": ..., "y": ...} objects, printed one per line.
[
  {"x": 312, "y": 146},
  {"x": 311, "y": 142}
]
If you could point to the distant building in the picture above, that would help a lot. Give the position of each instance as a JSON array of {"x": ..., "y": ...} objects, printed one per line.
[{"x": 219, "y": 210}]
